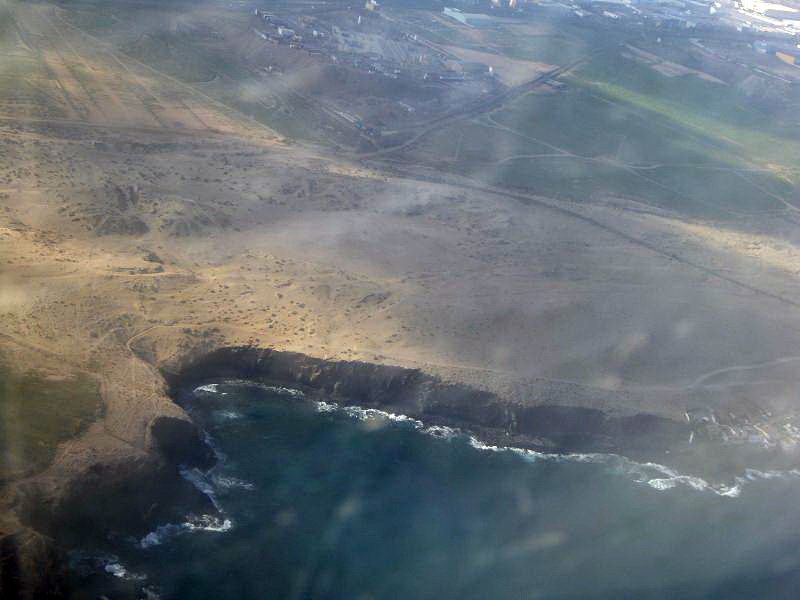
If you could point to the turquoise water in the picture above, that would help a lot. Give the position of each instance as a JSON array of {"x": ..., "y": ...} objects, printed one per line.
[{"x": 321, "y": 501}]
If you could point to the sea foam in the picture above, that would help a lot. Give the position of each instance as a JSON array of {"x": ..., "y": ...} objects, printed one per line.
[
  {"x": 211, "y": 523},
  {"x": 117, "y": 569},
  {"x": 200, "y": 480},
  {"x": 227, "y": 482},
  {"x": 214, "y": 388},
  {"x": 162, "y": 533},
  {"x": 654, "y": 475},
  {"x": 210, "y": 388},
  {"x": 366, "y": 414}
]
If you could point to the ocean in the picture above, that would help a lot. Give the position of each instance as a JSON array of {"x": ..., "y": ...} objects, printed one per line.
[{"x": 322, "y": 500}]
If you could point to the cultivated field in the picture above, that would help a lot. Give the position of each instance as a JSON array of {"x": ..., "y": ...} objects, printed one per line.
[{"x": 53, "y": 71}]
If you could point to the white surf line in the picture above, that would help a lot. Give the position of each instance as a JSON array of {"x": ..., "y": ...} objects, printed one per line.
[
  {"x": 163, "y": 533},
  {"x": 213, "y": 388},
  {"x": 654, "y": 475},
  {"x": 220, "y": 523},
  {"x": 707, "y": 376},
  {"x": 117, "y": 569},
  {"x": 209, "y": 482}
]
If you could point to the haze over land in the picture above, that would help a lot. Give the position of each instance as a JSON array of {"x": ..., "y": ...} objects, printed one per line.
[{"x": 560, "y": 210}]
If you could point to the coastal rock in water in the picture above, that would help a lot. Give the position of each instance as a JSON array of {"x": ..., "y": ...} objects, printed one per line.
[
  {"x": 179, "y": 442},
  {"x": 129, "y": 497},
  {"x": 414, "y": 393},
  {"x": 30, "y": 566}
]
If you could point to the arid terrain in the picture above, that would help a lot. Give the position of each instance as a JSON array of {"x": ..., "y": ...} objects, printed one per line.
[{"x": 144, "y": 223}]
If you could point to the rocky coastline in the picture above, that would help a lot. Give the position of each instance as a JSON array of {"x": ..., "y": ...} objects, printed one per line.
[
  {"x": 137, "y": 492},
  {"x": 427, "y": 397}
]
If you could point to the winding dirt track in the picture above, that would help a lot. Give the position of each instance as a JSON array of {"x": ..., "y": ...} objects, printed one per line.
[{"x": 779, "y": 361}]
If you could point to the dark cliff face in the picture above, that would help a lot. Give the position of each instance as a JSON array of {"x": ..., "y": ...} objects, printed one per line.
[
  {"x": 179, "y": 442},
  {"x": 134, "y": 495},
  {"x": 126, "y": 497},
  {"x": 30, "y": 567},
  {"x": 412, "y": 392},
  {"x": 129, "y": 498}
]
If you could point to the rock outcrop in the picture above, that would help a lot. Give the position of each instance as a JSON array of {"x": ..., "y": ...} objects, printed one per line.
[{"x": 417, "y": 394}]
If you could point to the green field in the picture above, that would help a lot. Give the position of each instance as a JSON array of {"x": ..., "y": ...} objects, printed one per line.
[
  {"x": 619, "y": 128},
  {"x": 721, "y": 113},
  {"x": 622, "y": 129},
  {"x": 36, "y": 415}
]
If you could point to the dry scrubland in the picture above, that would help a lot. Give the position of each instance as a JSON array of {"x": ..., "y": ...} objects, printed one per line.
[{"x": 142, "y": 222}]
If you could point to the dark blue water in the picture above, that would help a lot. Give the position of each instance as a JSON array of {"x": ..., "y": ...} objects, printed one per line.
[{"x": 322, "y": 502}]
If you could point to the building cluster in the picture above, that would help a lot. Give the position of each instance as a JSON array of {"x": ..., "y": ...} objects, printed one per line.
[
  {"x": 351, "y": 42},
  {"x": 776, "y": 25},
  {"x": 788, "y": 53},
  {"x": 285, "y": 31}
]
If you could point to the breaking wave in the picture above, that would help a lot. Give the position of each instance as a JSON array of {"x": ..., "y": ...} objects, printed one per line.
[
  {"x": 228, "y": 415},
  {"x": 149, "y": 593},
  {"x": 206, "y": 483},
  {"x": 367, "y": 414},
  {"x": 200, "y": 480},
  {"x": 117, "y": 569},
  {"x": 162, "y": 533},
  {"x": 104, "y": 562},
  {"x": 227, "y": 482},
  {"x": 210, "y": 388},
  {"x": 214, "y": 388},
  {"x": 654, "y": 475}
]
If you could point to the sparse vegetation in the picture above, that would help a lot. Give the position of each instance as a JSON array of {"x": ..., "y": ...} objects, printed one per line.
[
  {"x": 645, "y": 239},
  {"x": 36, "y": 414},
  {"x": 593, "y": 140}
]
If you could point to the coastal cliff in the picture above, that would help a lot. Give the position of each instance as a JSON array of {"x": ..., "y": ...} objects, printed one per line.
[
  {"x": 424, "y": 396},
  {"x": 190, "y": 254},
  {"x": 133, "y": 492}
]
